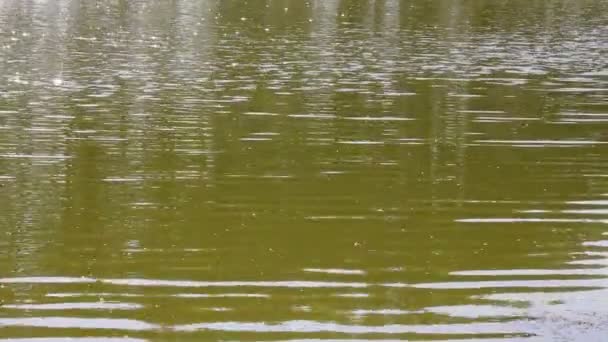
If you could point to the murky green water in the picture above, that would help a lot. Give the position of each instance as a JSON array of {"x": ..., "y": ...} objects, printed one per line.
[{"x": 284, "y": 170}]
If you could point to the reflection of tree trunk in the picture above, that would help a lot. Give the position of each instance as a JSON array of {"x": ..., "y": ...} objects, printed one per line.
[
  {"x": 30, "y": 202},
  {"x": 448, "y": 137}
]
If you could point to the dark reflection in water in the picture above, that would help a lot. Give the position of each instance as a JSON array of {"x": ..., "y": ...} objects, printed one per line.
[{"x": 292, "y": 170}]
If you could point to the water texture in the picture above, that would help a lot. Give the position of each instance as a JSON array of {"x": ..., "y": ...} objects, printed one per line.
[{"x": 290, "y": 170}]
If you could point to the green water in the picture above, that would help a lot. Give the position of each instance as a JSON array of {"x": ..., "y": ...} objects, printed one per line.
[{"x": 290, "y": 170}]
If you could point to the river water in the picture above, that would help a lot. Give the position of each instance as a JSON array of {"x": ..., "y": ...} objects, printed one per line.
[{"x": 290, "y": 170}]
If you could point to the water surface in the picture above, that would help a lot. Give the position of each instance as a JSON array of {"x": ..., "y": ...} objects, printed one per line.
[{"x": 288, "y": 170}]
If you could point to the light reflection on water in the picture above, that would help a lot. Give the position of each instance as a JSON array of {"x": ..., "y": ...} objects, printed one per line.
[{"x": 552, "y": 311}]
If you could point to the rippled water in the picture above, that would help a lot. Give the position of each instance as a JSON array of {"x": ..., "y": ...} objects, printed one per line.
[{"x": 288, "y": 170}]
